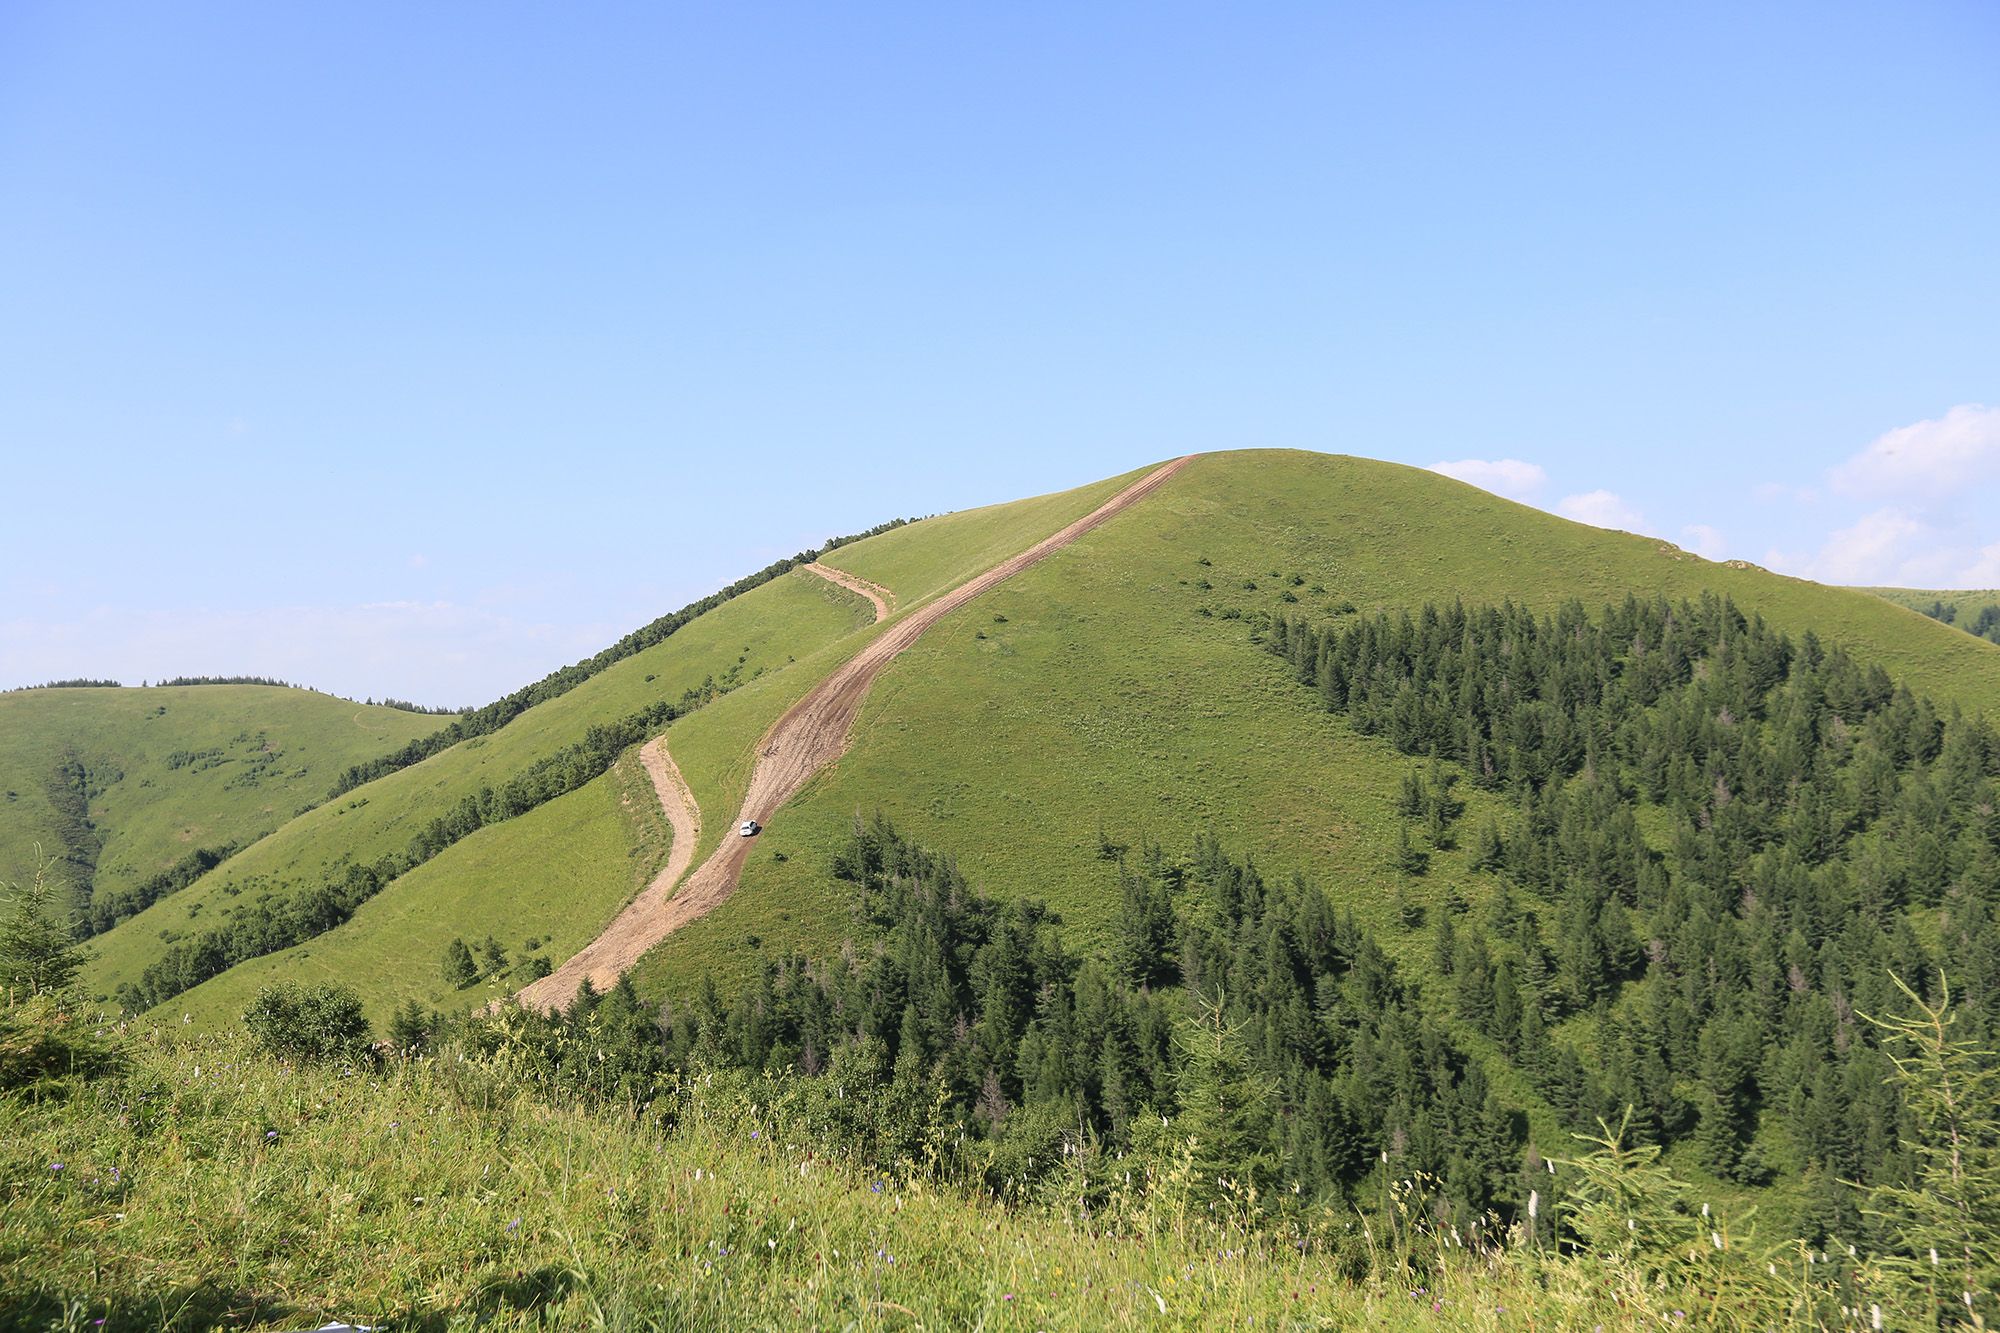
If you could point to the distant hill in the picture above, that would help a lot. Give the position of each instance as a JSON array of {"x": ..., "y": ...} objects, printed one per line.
[
  {"x": 1975, "y": 612},
  {"x": 1488, "y": 796},
  {"x": 119, "y": 785}
]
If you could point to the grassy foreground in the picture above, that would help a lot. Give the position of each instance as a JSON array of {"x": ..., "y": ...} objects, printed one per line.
[{"x": 207, "y": 1186}]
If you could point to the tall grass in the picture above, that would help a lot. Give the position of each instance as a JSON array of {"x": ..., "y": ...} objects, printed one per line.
[{"x": 200, "y": 1184}]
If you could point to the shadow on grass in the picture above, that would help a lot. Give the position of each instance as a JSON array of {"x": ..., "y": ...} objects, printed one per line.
[
  {"x": 198, "y": 1306},
  {"x": 522, "y": 1293}
]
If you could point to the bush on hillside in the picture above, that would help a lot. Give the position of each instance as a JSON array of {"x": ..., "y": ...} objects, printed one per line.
[
  {"x": 44, "y": 1046},
  {"x": 313, "y": 1024}
]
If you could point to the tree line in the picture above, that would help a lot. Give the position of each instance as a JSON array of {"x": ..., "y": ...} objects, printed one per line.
[{"x": 1241, "y": 1013}]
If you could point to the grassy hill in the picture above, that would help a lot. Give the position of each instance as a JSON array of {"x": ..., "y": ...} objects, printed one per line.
[
  {"x": 1108, "y": 690},
  {"x": 1123, "y": 693},
  {"x": 123, "y": 783},
  {"x": 762, "y": 650},
  {"x": 1976, "y": 611}
]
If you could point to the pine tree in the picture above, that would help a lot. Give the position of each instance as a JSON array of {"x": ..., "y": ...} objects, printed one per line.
[
  {"x": 38, "y": 949},
  {"x": 1225, "y": 1106},
  {"x": 459, "y": 968},
  {"x": 1947, "y": 1219}
]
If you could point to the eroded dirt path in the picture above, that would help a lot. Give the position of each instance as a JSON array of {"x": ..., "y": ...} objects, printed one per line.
[
  {"x": 606, "y": 958},
  {"x": 874, "y": 592},
  {"x": 811, "y": 734}
]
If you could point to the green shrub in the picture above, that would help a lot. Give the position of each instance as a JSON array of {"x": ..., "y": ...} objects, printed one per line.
[{"x": 316, "y": 1024}]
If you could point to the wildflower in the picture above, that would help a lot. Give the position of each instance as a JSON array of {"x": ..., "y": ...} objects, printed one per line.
[
  {"x": 1716, "y": 1236},
  {"x": 270, "y": 1134},
  {"x": 753, "y": 1134},
  {"x": 1934, "y": 1258},
  {"x": 514, "y": 1225},
  {"x": 1534, "y": 1203},
  {"x": 55, "y": 1167}
]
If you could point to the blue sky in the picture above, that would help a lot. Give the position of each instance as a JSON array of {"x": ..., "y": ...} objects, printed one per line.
[{"x": 420, "y": 349}]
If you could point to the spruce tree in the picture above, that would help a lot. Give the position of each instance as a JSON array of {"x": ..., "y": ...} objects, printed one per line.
[
  {"x": 459, "y": 969},
  {"x": 38, "y": 949}
]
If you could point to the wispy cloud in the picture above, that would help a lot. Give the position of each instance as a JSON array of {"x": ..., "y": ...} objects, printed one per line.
[
  {"x": 1601, "y": 509},
  {"x": 1929, "y": 461},
  {"x": 1931, "y": 526},
  {"x": 1503, "y": 476},
  {"x": 1705, "y": 541}
]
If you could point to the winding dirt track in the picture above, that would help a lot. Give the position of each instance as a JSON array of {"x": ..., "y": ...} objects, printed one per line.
[
  {"x": 605, "y": 958},
  {"x": 874, "y": 592},
  {"x": 811, "y": 735}
]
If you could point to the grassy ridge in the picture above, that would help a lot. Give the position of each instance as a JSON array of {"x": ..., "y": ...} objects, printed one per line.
[
  {"x": 793, "y": 617},
  {"x": 174, "y": 768},
  {"x": 751, "y": 634},
  {"x": 1963, "y": 609},
  {"x": 1106, "y": 699}
]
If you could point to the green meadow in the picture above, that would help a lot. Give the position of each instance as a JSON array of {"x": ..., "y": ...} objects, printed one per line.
[{"x": 172, "y": 768}]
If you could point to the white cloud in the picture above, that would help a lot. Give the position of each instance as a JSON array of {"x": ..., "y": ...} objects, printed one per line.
[
  {"x": 1503, "y": 476},
  {"x": 1983, "y": 572},
  {"x": 1877, "y": 549},
  {"x": 1929, "y": 461},
  {"x": 1601, "y": 509},
  {"x": 1704, "y": 541}
]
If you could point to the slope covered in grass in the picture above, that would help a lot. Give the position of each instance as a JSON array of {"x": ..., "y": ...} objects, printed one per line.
[
  {"x": 1976, "y": 611},
  {"x": 123, "y": 783},
  {"x": 763, "y": 650},
  {"x": 208, "y": 1186},
  {"x": 541, "y": 886},
  {"x": 753, "y": 634},
  {"x": 1109, "y": 689}
]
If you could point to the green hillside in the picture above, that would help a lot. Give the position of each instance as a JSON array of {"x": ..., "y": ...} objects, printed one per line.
[
  {"x": 1977, "y": 612},
  {"x": 760, "y": 651},
  {"x": 1105, "y": 700},
  {"x": 1326, "y": 834},
  {"x": 123, "y": 783}
]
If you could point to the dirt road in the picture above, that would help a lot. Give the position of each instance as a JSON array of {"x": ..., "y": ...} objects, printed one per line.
[
  {"x": 874, "y": 592},
  {"x": 605, "y": 958},
  {"x": 811, "y": 735}
]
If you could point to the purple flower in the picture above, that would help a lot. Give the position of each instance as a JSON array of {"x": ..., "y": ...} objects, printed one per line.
[
  {"x": 514, "y": 1225},
  {"x": 753, "y": 1134},
  {"x": 55, "y": 1166},
  {"x": 876, "y": 1188},
  {"x": 270, "y": 1133}
]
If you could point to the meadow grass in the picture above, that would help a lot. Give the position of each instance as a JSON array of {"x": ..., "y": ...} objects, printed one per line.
[
  {"x": 251, "y": 756},
  {"x": 921, "y": 560},
  {"x": 1091, "y": 694},
  {"x": 213, "y": 1187}
]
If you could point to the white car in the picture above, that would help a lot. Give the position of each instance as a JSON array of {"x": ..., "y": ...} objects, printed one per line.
[{"x": 751, "y": 828}]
